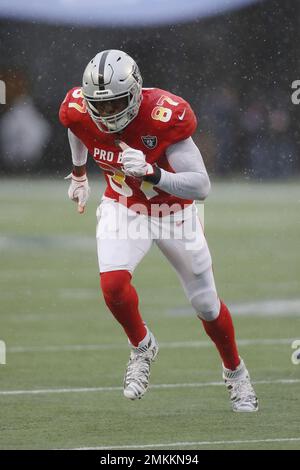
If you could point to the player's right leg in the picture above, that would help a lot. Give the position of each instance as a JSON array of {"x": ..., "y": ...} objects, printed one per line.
[{"x": 119, "y": 252}]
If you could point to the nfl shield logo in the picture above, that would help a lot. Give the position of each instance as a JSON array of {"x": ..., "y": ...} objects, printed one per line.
[{"x": 150, "y": 141}]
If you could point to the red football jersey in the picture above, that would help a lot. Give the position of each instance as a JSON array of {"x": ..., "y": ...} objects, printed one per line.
[{"x": 163, "y": 119}]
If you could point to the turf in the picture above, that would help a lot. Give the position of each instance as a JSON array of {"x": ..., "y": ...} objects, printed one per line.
[{"x": 51, "y": 303}]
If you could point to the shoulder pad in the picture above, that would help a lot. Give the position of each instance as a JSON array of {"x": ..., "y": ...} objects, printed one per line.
[
  {"x": 73, "y": 108},
  {"x": 171, "y": 116}
]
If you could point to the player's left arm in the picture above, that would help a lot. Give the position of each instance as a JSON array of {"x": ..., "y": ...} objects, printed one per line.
[
  {"x": 190, "y": 180},
  {"x": 178, "y": 122}
]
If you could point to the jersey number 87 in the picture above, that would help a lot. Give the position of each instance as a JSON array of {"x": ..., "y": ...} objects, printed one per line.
[{"x": 160, "y": 113}]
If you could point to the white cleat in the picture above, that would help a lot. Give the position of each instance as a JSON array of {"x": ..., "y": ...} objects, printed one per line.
[
  {"x": 242, "y": 394},
  {"x": 136, "y": 380}
]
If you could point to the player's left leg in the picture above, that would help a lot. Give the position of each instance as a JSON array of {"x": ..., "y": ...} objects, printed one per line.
[
  {"x": 218, "y": 324},
  {"x": 190, "y": 256}
]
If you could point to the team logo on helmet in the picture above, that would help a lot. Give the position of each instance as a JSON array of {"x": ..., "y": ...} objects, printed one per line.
[{"x": 150, "y": 141}]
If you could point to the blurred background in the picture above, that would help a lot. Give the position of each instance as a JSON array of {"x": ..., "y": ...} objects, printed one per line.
[{"x": 233, "y": 61}]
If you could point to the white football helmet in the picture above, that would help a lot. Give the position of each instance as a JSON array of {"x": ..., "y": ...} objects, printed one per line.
[{"x": 112, "y": 88}]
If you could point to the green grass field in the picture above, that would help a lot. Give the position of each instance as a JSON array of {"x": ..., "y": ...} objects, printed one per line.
[{"x": 61, "y": 386}]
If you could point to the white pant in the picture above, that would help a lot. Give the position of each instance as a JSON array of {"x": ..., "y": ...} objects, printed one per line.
[{"x": 124, "y": 237}]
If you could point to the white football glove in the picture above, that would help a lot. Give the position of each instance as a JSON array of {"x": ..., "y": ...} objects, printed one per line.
[
  {"x": 79, "y": 190},
  {"x": 134, "y": 162}
]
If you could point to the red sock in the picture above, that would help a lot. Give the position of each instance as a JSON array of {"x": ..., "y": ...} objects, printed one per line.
[
  {"x": 221, "y": 331},
  {"x": 122, "y": 300}
]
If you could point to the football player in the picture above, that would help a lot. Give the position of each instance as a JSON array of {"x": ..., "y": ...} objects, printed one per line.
[{"x": 142, "y": 140}]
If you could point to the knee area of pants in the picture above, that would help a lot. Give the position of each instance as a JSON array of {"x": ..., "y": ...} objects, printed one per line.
[
  {"x": 115, "y": 284},
  {"x": 206, "y": 305}
]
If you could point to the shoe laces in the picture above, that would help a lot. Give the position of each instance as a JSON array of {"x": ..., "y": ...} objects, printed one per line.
[
  {"x": 241, "y": 390},
  {"x": 138, "y": 366}
]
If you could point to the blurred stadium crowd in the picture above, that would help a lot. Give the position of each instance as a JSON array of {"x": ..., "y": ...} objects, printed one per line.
[{"x": 236, "y": 70}]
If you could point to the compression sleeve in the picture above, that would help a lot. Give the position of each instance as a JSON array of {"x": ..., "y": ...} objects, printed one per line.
[
  {"x": 78, "y": 150},
  {"x": 190, "y": 180}
]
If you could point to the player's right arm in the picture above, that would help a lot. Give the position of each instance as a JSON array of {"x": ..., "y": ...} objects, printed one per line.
[
  {"x": 79, "y": 190},
  {"x": 70, "y": 112}
]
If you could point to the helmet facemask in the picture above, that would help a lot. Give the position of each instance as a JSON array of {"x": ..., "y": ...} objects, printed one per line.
[{"x": 117, "y": 121}]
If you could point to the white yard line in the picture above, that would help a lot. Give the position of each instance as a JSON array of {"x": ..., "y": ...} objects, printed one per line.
[
  {"x": 156, "y": 387},
  {"x": 164, "y": 345},
  {"x": 189, "y": 444},
  {"x": 259, "y": 308},
  {"x": 275, "y": 307}
]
